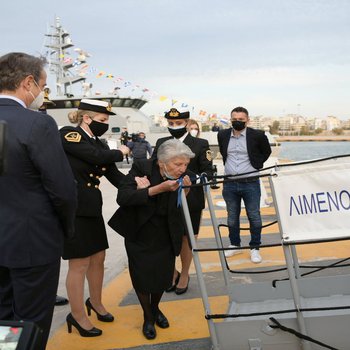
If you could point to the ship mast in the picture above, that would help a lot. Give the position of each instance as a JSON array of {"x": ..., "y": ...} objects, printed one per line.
[{"x": 60, "y": 64}]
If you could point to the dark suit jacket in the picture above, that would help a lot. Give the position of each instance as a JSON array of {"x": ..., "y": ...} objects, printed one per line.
[
  {"x": 37, "y": 193},
  {"x": 136, "y": 207},
  {"x": 90, "y": 159},
  {"x": 201, "y": 163},
  {"x": 258, "y": 146}
]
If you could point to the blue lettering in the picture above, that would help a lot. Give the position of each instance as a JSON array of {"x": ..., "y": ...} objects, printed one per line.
[
  {"x": 334, "y": 200},
  {"x": 301, "y": 205},
  {"x": 347, "y": 194},
  {"x": 291, "y": 202},
  {"x": 310, "y": 206},
  {"x": 319, "y": 202}
]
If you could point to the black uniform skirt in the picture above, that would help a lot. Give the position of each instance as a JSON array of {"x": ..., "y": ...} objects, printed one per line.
[
  {"x": 196, "y": 217},
  {"x": 151, "y": 257},
  {"x": 90, "y": 238}
]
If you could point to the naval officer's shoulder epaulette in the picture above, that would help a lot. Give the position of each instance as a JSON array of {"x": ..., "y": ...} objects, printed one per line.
[{"x": 72, "y": 136}]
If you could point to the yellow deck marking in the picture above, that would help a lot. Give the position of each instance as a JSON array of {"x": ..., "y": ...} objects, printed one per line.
[
  {"x": 222, "y": 213},
  {"x": 274, "y": 256},
  {"x": 126, "y": 332}
]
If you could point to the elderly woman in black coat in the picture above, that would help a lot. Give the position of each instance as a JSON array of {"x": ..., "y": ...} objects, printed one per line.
[{"x": 152, "y": 223}]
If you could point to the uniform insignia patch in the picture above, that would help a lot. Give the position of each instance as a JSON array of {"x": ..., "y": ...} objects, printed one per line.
[
  {"x": 73, "y": 136},
  {"x": 209, "y": 155},
  {"x": 174, "y": 112}
]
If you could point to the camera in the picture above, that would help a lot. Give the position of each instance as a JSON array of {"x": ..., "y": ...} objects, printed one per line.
[
  {"x": 19, "y": 335},
  {"x": 134, "y": 137}
]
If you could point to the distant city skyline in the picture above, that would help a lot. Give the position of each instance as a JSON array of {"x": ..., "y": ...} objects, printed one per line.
[{"x": 272, "y": 57}]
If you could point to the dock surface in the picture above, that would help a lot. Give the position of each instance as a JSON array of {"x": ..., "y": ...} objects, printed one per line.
[{"x": 188, "y": 327}]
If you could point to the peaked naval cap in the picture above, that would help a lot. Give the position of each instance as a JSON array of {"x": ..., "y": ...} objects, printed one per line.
[
  {"x": 97, "y": 106},
  {"x": 175, "y": 114}
]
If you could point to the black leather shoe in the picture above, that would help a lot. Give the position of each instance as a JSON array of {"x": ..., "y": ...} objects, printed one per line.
[
  {"x": 173, "y": 287},
  {"x": 93, "y": 332},
  {"x": 148, "y": 330},
  {"x": 179, "y": 291},
  {"x": 61, "y": 300},
  {"x": 103, "y": 318},
  {"x": 161, "y": 320}
]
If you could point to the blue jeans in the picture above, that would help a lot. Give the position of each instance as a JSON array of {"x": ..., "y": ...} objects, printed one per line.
[{"x": 233, "y": 193}]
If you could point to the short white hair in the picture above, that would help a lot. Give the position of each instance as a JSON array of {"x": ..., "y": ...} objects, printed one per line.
[{"x": 173, "y": 149}]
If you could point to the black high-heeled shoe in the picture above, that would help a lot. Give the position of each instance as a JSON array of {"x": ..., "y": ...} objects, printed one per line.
[
  {"x": 179, "y": 291},
  {"x": 103, "y": 318},
  {"x": 161, "y": 320},
  {"x": 173, "y": 287},
  {"x": 93, "y": 332},
  {"x": 148, "y": 330}
]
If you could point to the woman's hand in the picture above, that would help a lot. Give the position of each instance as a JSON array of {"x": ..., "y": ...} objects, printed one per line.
[
  {"x": 170, "y": 185},
  {"x": 166, "y": 186},
  {"x": 142, "y": 182}
]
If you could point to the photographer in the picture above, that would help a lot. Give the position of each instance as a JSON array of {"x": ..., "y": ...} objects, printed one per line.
[{"x": 139, "y": 146}]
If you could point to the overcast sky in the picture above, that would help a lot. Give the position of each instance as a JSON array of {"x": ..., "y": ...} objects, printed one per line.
[{"x": 274, "y": 57}]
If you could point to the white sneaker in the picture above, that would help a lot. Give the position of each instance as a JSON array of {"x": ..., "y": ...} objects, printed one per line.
[
  {"x": 229, "y": 253},
  {"x": 255, "y": 256}
]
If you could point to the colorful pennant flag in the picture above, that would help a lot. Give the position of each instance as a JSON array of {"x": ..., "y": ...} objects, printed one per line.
[{"x": 100, "y": 74}]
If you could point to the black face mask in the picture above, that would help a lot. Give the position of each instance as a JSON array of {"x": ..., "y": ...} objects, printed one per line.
[
  {"x": 238, "y": 125},
  {"x": 177, "y": 133},
  {"x": 98, "y": 128}
]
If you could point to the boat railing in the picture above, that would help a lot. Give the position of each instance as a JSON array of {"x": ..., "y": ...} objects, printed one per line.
[{"x": 306, "y": 306}]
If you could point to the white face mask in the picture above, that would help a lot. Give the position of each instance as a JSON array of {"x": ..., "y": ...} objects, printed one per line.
[
  {"x": 194, "y": 132},
  {"x": 167, "y": 175},
  {"x": 38, "y": 101}
]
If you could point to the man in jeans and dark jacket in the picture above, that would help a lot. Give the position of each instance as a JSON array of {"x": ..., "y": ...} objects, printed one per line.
[{"x": 244, "y": 151}]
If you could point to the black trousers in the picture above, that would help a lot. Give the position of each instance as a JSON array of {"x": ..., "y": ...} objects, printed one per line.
[{"x": 29, "y": 294}]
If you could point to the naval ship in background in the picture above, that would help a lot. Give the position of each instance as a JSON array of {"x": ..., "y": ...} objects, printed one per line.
[{"x": 127, "y": 109}]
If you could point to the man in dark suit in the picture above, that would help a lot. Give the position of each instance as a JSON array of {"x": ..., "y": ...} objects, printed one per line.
[
  {"x": 38, "y": 196},
  {"x": 201, "y": 163},
  {"x": 43, "y": 109},
  {"x": 244, "y": 151}
]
